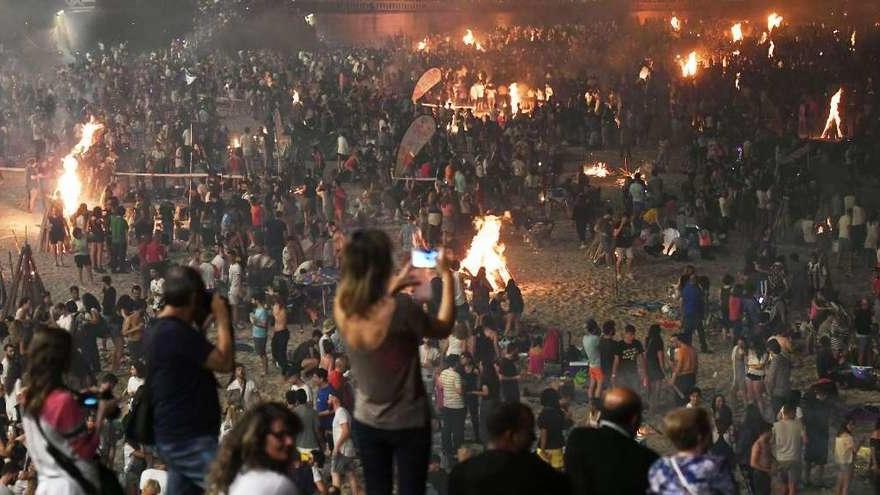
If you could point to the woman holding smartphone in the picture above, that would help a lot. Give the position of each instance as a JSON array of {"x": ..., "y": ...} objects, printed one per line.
[
  {"x": 383, "y": 329},
  {"x": 60, "y": 445}
]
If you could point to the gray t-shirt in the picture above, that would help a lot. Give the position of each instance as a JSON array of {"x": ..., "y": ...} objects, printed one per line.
[
  {"x": 788, "y": 440},
  {"x": 389, "y": 392},
  {"x": 591, "y": 349},
  {"x": 307, "y": 438}
]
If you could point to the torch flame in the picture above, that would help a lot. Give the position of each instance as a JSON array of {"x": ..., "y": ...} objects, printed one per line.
[
  {"x": 597, "y": 170},
  {"x": 487, "y": 252},
  {"x": 771, "y": 49},
  {"x": 468, "y": 38},
  {"x": 675, "y": 23},
  {"x": 69, "y": 184},
  {"x": 422, "y": 45},
  {"x": 852, "y": 39},
  {"x": 644, "y": 73},
  {"x": 736, "y": 32},
  {"x": 774, "y": 20},
  {"x": 295, "y": 97},
  {"x": 689, "y": 66},
  {"x": 834, "y": 117}
]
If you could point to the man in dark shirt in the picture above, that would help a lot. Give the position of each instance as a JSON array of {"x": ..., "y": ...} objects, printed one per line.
[
  {"x": 607, "y": 460},
  {"x": 508, "y": 467},
  {"x": 274, "y": 237},
  {"x": 629, "y": 362},
  {"x": 508, "y": 374},
  {"x": 181, "y": 364},
  {"x": 607, "y": 351}
]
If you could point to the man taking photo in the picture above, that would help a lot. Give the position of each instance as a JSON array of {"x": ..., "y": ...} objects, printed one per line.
[{"x": 181, "y": 363}]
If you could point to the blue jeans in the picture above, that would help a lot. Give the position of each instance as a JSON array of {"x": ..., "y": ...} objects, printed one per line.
[
  {"x": 380, "y": 449},
  {"x": 188, "y": 461}
]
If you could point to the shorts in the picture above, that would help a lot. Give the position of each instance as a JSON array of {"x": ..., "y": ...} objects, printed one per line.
[
  {"x": 787, "y": 471},
  {"x": 754, "y": 378},
  {"x": 341, "y": 464},
  {"x": 82, "y": 260},
  {"x": 597, "y": 374},
  {"x": 554, "y": 457},
  {"x": 260, "y": 346},
  {"x": 622, "y": 253}
]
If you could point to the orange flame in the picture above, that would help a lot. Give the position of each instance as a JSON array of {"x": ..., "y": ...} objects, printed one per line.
[
  {"x": 675, "y": 23},
  {"x": 468, "y": 38},
  {"x": 422, "y": 45},
  {"x": 487, "y": 252},
  {"x": 771, "y": 49},
  {"x": 69, "y": 184},
  {"x": 736, "y": 32},
  {"x": 689, "y": 65},
  {"x": 599, "y": 169},
  {"x": 774, "y": 20},
  {"x": 644, "y": 73},
  {"x": 834, "y": 117}
]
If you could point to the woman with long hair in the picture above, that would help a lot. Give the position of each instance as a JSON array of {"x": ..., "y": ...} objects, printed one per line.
[
  {"x": 756, "y": 364},
  {"x": 382, "y": 329},
  {"x": 57, "y": 233},
  {"x": 97, "y": 237},
  {"x": 845, "y": 448},
  {"x": 257, "y": 454},
  {"x": 655, "y": 361},
  {"x": 55, "y": 422}
]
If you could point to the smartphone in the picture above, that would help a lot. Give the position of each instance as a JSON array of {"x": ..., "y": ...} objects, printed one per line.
[
  {"x": 424, "y": 258},
  {"x": 89, "y": 401}
]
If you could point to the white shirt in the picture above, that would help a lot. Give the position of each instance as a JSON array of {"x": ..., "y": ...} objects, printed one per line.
[
  {"x": 342, "y": 147},
  {"x": 219, "y": 263},
  {"x": 249, "y": 389},
  {"x": 455, "y": 346},
  {"x": 263, "y": 482},
  {"x": 134, "y": 383},
  {"x": 843, "y": 226},
  {"x": 157, "y": 290},
  {"x": 235, "y": 276},
  {"x": 159, "y": 475},
  {"x": 207, "y": 271},
  {"x": 341, "y": 417},
  {"x": 66, "y": 322}
]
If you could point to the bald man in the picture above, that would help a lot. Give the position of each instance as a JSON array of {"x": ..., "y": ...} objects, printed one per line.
[{"x": 607, "y": 460}]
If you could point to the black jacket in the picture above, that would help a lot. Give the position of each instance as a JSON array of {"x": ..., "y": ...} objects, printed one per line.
[{"x": 601, "y": 461}]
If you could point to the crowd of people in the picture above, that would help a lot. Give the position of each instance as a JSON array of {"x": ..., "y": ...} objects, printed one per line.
[{"x": 287, "y": 226}]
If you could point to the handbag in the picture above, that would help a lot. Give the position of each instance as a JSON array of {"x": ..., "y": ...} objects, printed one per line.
[
  {"x": 108, "y": 483},
  {"x": 138, "y": 423}
]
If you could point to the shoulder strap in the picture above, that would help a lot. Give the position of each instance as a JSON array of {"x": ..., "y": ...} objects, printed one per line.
[
  {"x": 684, "y": 482},
  {"x": 65, "y": 462}
]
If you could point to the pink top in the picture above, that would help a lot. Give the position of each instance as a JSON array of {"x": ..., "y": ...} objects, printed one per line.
[{"x": 536, "y": 361}]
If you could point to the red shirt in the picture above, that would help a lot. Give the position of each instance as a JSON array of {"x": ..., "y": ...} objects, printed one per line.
[
  {"x": 257, "y": 215},
  {"x": 154, "y": 251}
]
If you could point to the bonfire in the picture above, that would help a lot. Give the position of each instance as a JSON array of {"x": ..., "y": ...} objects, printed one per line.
[
  {"x": 69, "y": 184},
  {"x": 487, "y": 251}
]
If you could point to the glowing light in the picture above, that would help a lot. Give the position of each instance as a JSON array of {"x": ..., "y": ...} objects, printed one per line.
[
  {"x": 69, "y": 184},
  {"x": 295, "y": 97},
  {"x": 852, "y": 40},
  {"x": 771, "y": 49},
  {"x": 736, "y": 83},
  {"x": 834, "y": 117},
  {"x": 736, "y": 32},
  {"x": 515, "y": 98},
  {"x": 774, "y": 20},
  {"x": 763, "y": 38},
  {"x": 644, "y": 73},
  {"x": 468, "y": 38},
  {"x": 599, "y": 169},
  {"x": 422, "y": 45},
  {"x": 689, "y": 65},
  {"x": 675, "y": 23},
  {"x": 486, "y": 251}
]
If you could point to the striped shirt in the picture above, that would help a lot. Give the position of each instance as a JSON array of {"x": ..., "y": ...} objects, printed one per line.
[{"x": 450, "y": 382}]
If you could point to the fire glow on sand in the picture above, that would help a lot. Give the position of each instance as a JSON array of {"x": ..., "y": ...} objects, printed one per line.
[
  {"x": 69, "y": 184},
  {"x": 487, "y": 251}
]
